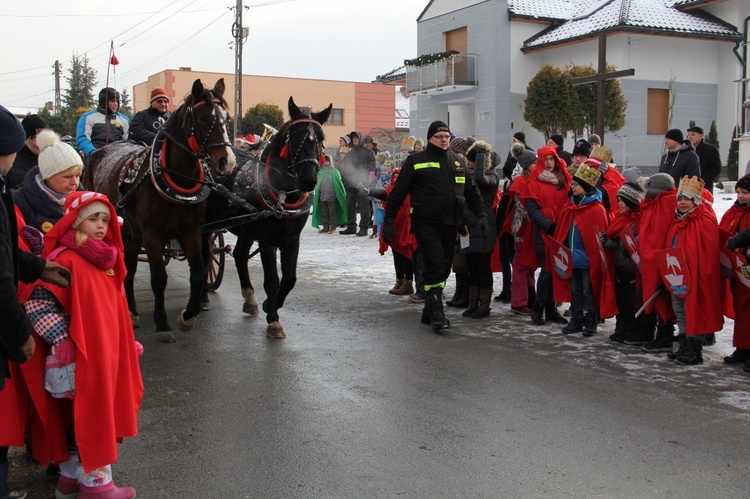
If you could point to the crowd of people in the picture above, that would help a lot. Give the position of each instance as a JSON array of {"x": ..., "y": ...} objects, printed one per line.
[{"x": 563, "y": 228}]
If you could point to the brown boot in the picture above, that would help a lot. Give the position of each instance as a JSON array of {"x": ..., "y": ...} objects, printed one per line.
[
  {"x": 473, "y": 301},
  {"x": 406, "y": 288},
  {"x": 397, "y": 286},
  {"x": 483, "y": 310}
]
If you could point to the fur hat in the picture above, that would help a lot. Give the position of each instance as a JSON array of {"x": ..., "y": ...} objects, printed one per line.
[
  {"x": 158, "y": 93},
  {"x": 12, "y": 135},
  {"x": 419, "y": 141},
  {"x": 631, "y": 194},
  {"x": 520, "y": 136},
  {"x": 674, "y": 134},
  {"x": 408, "y": 144},
  {"x": 524, "y": 157},
  {"x": 437, "y": 126},
  {"x": 695, "y": 129},
  {"x": 691, "y": 187},
  {"x": 557, "y": 139},
  {"x": 471, "y": 152},
  {"x": 107, "y": 94},
  {"x": 90, "y": 209},
  {"x": 587, "y": 177},
  {"x": 632, "y": 174},
  {"x": 55, "y": 156},
  {"x": 582, "y": 147},
  {"x": 33, "y": 124},
  {"x": 743, "y": 183},
  {"x": 594, "y": 139},
  {"x": 658, "y": 183}
]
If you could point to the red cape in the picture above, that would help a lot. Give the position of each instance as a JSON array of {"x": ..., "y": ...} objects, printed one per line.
[
  {"x": 589, "y": 218},
  {"x": 405, "y": 242},
  {"x": 656, "y": 216},
  {"x": 611, "y": 183},
  {"x": 737, "y": 219},
  {"x": 698, "y": 236}
]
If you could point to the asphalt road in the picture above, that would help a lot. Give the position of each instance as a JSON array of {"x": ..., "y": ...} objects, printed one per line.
[{"x": 360, "y": 400}]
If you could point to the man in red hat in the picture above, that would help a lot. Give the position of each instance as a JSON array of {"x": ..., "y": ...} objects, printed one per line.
[{"x": 146, "y": 123}]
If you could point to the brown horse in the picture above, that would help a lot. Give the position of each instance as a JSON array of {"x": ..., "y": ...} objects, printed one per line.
[{"x": 160, "y": 194}]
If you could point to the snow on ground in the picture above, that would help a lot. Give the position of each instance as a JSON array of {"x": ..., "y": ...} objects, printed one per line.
[{"x": 352, "y": 264}]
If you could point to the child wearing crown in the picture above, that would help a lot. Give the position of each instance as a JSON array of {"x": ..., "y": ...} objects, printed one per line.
[
  {"x": 589, "y": 290},
  {"x": 698, "y": 306}
]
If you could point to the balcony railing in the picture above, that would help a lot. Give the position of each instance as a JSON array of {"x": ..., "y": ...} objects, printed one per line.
[{"x": 454, "y": 73}]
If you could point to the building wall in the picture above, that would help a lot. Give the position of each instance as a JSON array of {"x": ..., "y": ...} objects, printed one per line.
[{"x": 365, "y": 105}]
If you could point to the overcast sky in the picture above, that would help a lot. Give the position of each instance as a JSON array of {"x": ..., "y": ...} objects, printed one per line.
[{"x": 350, "y": 40}]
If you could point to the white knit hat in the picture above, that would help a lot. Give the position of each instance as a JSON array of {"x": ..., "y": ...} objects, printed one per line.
[
  {"x": 55, "y": 156},
  {"x": 88, "y": 210}
]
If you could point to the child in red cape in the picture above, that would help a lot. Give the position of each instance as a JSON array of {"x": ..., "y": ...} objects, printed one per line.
[
  {"x": 736, "y": 221},
  {"x": 700, "y": 311},
  {"x": 89, "y": 324},
  {"x": 589, "y": 290}
]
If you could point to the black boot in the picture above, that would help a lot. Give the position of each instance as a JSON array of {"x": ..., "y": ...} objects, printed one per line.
[
  {"x": 552, "y": 315},
  {"x": 692, "y": 355},
  {"x": 663, "y": 340},
  {"x": 483, "y": 310},
  {"x": 532, "y": 296},
  {"x": 426, "y": 312},
  {"x": 438, "y": 322},
  {"x": 537, "y": 314},
  {"x": 461, "y": 291},
  {"x": 739, "y": 355},
  {"x": 680, "y": 349},
  {"x": 574, "y": 326},
  {"x": 592, "y": 321},
  {"x": 473, "y": 301}
]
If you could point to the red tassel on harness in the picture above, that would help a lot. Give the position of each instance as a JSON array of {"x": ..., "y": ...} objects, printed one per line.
[
  {"x": 193, "y": 143},
  {"x": 323, "y": 159},
  {"x": 284, "y": 154}
]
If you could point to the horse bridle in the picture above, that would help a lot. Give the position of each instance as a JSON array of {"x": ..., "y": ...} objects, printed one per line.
[
  {"x": 294, "y": 163},
  {"x": 196, "y": 143}
]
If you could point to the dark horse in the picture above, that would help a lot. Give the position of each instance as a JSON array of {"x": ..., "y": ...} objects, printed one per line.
[
  {"x": 160, "y": 194},
  {"x": 277, "y": 187}
]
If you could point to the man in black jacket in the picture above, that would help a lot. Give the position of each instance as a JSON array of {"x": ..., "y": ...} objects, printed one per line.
[
  {"x": 439, "y": 186},
  {"x": 680, "y": 158},
  {"x": 145, "y": 124},
  {"x": 355, "y": 170},
  {"x": 708, "y": 154},
  {"x": 28, "y": 157}
]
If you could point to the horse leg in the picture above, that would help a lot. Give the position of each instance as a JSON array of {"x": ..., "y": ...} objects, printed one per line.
[
  {"x": 289, "y": 256},
  {"x": 154, "y": 246},
  {"x": 191, "y": 245},
  {"x": 206, "y": 253},
  {"x": 241, "y": 256},
  {"x": 271, "y": 286},
  {"x": 132, "y": 247}
]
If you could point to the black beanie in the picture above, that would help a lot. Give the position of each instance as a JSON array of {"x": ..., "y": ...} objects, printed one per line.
[
  {"x": 435, "y": 127},
  {"x": 33, "y": 124},
  {"x": 582, "y": 147},
  {"x": 557, "y": 139},
  {"x": 675, "y": 134},
  {"x": 520, "y": 136},
  {"x": 743, "y": 183},
  {"x": 12, "y": 135}
]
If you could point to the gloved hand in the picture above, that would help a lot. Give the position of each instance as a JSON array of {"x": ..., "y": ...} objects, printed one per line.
[
  {"x": 66, "y": 352},
  {"x": 551, "y": 230},
  {"x": 35, "y": 238},
  {"x": 139, "y": 349},
  {"x": 480, "y": 149},
  {"x": 362, "y": 188},
  {"x": 741, "y": 240},
  {"x": 388, "y": 231},
  {"x": 603, "y": 237},
  {"x": 377, "y": 193},
  {"x": 483, "y": 227},
  {"x": 54, "y": 273}
]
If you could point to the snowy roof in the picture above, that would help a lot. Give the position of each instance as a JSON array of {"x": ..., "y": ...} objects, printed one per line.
[{"x": 582, "y": 19}]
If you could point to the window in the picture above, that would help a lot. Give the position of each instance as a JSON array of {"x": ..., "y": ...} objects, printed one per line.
[
  {"x": 657, "y": 113},
  {"x": 337, "y": 117}
]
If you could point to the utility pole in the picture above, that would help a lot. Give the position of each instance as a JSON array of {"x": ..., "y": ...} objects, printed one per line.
[
  {"x": 58, "y": 100},
  {"x": 240, "y": 35}
]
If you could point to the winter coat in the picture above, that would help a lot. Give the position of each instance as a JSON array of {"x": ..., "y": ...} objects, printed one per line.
[
  {"x": 37, "y": 204},
  {"x": 333, "y": 175},
  {"x": 146, "y": 123},
  {"x": 15, "y": 265},
  {"x": 96, "y": 129},
  {"x": 439, "y": 187},
  {"x": 487, "y": 183},
  {"x": 681, "y": 162},
  {"x": 25, "y": 160},
  {"x": 357, "y": 165},
  {"x": 710, "y": 163}
]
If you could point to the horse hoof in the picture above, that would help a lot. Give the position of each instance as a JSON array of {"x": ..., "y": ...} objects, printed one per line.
[
  {"x": 206, "y": 305},
  {"x": 275, "y": 331},
  {"x": 250, "y": 308},
  {"x": 135, "y": 320},
  {"x": 185, "y": 325},
  {"x": 165, "y": 336}
]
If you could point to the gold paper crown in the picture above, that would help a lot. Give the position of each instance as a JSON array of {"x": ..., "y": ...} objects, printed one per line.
[
  {"x": 605, "y": 155},
  {"x": 588, "y": 175},
  {"x": 691, "y": 187},
  {"x": 408, "y": 142}
]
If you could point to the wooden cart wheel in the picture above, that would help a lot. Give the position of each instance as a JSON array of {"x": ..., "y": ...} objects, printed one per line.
[{"x": 215, "y": 268}]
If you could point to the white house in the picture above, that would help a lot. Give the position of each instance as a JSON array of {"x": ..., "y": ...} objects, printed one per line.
[{"x": 687, "y": 56}]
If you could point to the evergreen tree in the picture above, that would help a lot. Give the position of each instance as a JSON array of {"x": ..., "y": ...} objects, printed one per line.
[
  {"x": 713, "y": 135},
  {"x": 733, "y": 158},
  {"x": 81, "y": 80},
  {"x": 125, "y": 103},
  {"x": 549, "y": 99},
  {"x": 259, "y": 114},
  {"x": 584, "y": 107}
]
